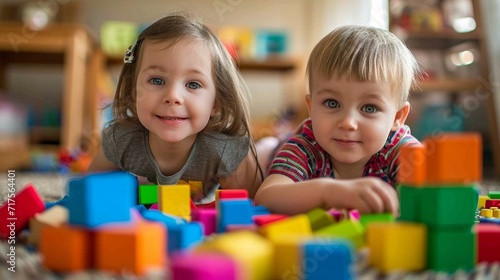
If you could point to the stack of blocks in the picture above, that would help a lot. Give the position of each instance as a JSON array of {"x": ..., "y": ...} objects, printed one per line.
[{"x": 438, "y": 197}]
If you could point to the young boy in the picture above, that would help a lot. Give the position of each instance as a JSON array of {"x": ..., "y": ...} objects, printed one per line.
[{"x": 345, "y": 156}]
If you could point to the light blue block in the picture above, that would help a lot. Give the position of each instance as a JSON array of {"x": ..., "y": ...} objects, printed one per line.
[
  {"x": 260, "y": 210},
  {"x": 101, "y": 198},
  {"x": 184, "y": 236},
  {"x": 327, "y": 259},
  {"x": 234, "y": 212}
]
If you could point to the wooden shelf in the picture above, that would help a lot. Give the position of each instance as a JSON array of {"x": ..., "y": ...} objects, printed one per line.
[{"x": 448, "y": 84}]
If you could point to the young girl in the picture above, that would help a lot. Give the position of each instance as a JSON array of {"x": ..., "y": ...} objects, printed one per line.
[
  {"x": 180, "y": 113},
  {"x": 345, "y": 154}
]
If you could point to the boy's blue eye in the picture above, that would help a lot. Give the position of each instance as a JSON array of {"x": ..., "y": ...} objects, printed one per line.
[
  {"x": 370, "y": 109},
  {"x": 156, "y": 81},
  {"x": 330, "y": 103},
  {"x": 193, "y": 85}
]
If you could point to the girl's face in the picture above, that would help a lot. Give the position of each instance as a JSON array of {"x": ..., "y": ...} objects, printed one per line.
[
  {"x": 351, "y": 120},
  {"x": 175, "y": 89}
]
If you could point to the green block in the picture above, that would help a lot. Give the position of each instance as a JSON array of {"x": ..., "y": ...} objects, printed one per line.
[
  {"x": 447, "y": 206},
  {"x": 409, "y": 203},
  {"x": 451, "y": 250},
  {"x": 494, "y": 194},
  {"x": 366, "y": 219},
  {"x": 148, "y": 194},
  {"x": 319, "y": 218},
  {"x": 348, "y": 229}
]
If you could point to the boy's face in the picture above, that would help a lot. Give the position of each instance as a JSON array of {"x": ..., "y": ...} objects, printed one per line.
[
  {"x": 175, "y": 89},
  {"x": 351, "y": 120}
]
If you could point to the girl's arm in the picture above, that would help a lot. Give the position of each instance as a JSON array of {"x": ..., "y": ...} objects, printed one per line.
[
  {"x": 101, "y": 163},
  {"x": 244, "y": 177},
  {"x": 280, "y": 194}
]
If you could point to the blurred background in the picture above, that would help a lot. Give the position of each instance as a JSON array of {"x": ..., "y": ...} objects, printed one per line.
[{"x": 60, "y": 60}]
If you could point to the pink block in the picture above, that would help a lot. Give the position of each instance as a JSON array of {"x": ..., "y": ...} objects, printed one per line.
[
  {"x": 354, "y": 215},
  {"x": 208, "y": 217},
  {"x": 18, "y": 209},
  {"x": 337, "y": 215},
  {"x": 196, "y": 266},
  {"x": 231, "y": 194},
  {"x": 154, "y": 207}
]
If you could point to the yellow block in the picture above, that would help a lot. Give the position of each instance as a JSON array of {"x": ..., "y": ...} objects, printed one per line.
[
  {"x": 397, "y": 246},
  {"x": 482, "y": 201},
  {"x": 288, "y": 256},
  {"x": 487, "y": 213},
  {"x": 175, "y": 200},
  {"x": 252, "y": 252},
  {"x": 295, "y": 225}
]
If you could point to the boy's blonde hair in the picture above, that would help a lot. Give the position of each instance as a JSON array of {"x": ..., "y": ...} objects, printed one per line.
[
  {"x": 233, "y": 113},
  {"x": 364, "y": 53}
]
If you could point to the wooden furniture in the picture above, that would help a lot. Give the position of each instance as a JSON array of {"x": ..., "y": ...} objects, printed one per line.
[
  {"x": 71, "y": 46},
  {"x": 427, "y": 28}
]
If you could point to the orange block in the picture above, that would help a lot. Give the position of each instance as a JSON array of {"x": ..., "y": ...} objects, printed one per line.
[
  {"x": 454, "y": 158},
  {"x": 132, "y": 248},
  {"x": 66, "y": 248},
  {"x": 412, "y": 165}
]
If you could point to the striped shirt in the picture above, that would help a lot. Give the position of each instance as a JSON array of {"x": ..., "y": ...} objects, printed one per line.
[{"x": 302, "y": 158}]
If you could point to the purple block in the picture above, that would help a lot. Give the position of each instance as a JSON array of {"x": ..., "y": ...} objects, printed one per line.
[
  {"x": 208, "y": 217},
  {"x": 202, "y": 266}
]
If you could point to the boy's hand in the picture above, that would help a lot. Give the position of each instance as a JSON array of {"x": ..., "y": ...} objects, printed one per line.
[{"x": 367, "y": 195}]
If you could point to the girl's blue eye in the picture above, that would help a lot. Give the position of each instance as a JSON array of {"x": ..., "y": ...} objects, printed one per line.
[
  {"x": 330, "y": 103},
  {"x": 193, "y": 85},
  {"x": 370, "y": 109},
  {"x": 156, "y": 81}
]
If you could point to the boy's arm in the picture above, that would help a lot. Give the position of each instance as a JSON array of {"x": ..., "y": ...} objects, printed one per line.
[
  {"x": 244, "y": 177},
  {"x": 280, "y": 194},
  {"x": 101, "y": 163}
]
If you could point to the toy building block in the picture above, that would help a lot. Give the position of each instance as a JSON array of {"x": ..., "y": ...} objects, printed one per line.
[
  {"x": 61, "y": 202},
  {"x": 489, "y": 221},
  {"x": 496, "y": 213},
  {"x": 231, "y": 194},
  {"x": 184, "y": 236},
  {"x": 148, "y": 194},
  {"x": 409, "y": 203},
  {"x": 397, "y": 246},
  {"x": 260, "y": 210},
  {"x": 448, "y": 206},
  {"x": 198, "y": 266},
  {"x": 451, "y": 250},
  {"x": 492, "y": 203},
  {"x": 18, "y": 209},
  {"x": 319, "y": 218},
  {"x": 133, "y": 248},
  {"x": 351, "y": 230},
  {"x": 101, "y": 198},
  {"x": 208, "y": 217},
  {"x": 486, "y": 213},
  {"x": 481, "y": 203},
  {"x": 175, "y": 200},
  {"x": 154, "y": 207},
  {"x": 250, "y": 227},
  {"x": 261, "y": 220},
  {"x": 294, "y": 225},
  {"x": 494, "y": 194},
  {"x": 327, "y": 259},
  {"x": 412, "y": 165},
  {"x": 234, "y": 212},
  {"x": 66, "y": 248},
  {"x": 367, "y": 219},
  {"x": 488, "y": 242},
  {"x": 454, "y": 158},
  {"x": 252, "y": 252},
  {"x": 288, "y": 257},
  {"x": 354, "y": 214},
  {"x": 55, "y": 216}
]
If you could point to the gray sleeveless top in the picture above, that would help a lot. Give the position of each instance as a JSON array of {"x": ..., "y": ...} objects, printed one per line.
[{"x": 213, "y": 155}]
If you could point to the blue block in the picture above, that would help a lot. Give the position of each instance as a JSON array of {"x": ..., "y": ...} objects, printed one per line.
[
  {"x": 167, "y": 220},
  {"x": 101, "y": 198},
  {"x": 141, "y": 208},
  {"x": 260, "y": 210},
  {"x": 64, "y": 202},
  {"x": 489, "y": 221},
  {"x": 184, "y": 236},
  {"x": 234, "y": 212},
  {"x": 327, "y": 259}
]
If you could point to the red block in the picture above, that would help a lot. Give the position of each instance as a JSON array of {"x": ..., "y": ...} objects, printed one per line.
[
  {"x": 232, "y": 194},
  {"x": 18, "y": 209},
  {"x": 261, "y": 220},
  {"x": 488, "y": 242},
  {"x": 492, "y": 203}
]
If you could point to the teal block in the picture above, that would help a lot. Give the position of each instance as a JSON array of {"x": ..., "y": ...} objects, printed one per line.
[
  {"x": 409, "y": 203},
  {"x": 366, "y": 219},
  {"x": 319, "y": 218},
  {"x": 447, "y": 206},
  {"x": 494, "y": 194},
  {"x": 451, "y": 250},
  {"x": 148, "y": 194}
]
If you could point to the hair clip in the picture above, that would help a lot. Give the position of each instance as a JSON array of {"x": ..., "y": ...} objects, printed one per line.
[{"x": 129, "y": 54}]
